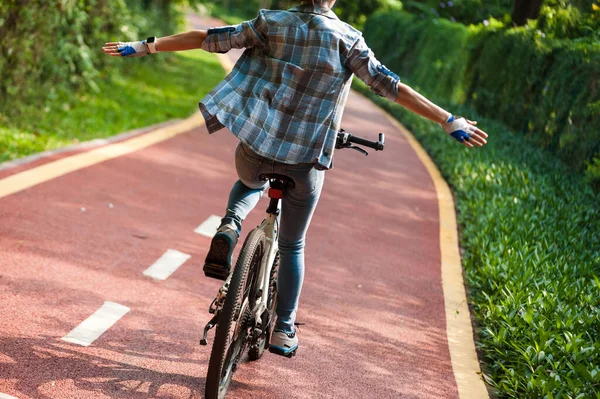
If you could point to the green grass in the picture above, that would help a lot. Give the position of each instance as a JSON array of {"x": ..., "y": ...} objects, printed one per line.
[
  {"x": 530, "y": 231},
  {"x": 150, "y": 90}
]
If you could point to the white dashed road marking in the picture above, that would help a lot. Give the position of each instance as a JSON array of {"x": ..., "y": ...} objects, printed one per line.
[
  {"x": 97, "y": 324},
  {"x": 209, "y": 227},
  {"x": 166, "y": 264}
]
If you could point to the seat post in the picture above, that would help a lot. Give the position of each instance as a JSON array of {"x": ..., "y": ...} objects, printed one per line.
[
  {"x": 275, "y": 194},
  {"x": 278, "y": 184}
]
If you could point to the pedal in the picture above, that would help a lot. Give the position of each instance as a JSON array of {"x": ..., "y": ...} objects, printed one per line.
[
  {"x": 215, "y": 271},
  {"x": 256, "y": 334},
  {"x": 209, "y": 325},
  {"x": 279, "y": 352},
  {"x": 213, "y": 308}
]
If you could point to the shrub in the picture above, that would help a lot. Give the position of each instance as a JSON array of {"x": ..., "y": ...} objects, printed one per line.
[
  {"x": 529, "y": 230},
  {"x": 547, "y": 89},
  {"x": 50, "y": 47}
]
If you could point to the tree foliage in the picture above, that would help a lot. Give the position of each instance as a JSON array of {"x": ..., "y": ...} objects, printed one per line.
[
  {"x": 351, "y": 11},
  {"x": 560, "y": 18}
]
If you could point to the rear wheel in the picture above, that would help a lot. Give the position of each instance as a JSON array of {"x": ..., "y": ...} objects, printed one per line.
[{"x": 234, "y": 323}]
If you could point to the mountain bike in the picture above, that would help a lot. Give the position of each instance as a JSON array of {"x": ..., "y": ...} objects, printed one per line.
[{"x": 244, "y": 308}]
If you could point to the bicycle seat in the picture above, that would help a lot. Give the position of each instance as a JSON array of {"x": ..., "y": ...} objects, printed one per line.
[{"x": 286, "y": 181}]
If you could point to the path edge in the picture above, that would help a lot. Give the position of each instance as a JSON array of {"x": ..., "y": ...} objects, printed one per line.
[
  {"x": 86, "y": 145},
  {"x": 459, "y": 327},
  {"x": 36, "y": 175},
  {"x": 39, "y": 174}
]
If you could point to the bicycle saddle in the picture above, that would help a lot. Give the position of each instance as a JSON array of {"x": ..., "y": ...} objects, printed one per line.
[{"x": 287, "y": 182}]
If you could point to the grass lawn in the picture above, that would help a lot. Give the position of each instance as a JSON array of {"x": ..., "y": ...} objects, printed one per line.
[
  {"x": 530, "y": 234},
  {"x": 154, "y": 89}
]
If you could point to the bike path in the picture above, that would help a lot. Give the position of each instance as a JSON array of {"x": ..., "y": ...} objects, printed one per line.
[{"x": 373, "y": 299}]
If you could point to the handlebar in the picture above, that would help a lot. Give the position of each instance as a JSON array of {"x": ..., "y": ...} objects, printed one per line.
[{"x": 345, "y": 140}]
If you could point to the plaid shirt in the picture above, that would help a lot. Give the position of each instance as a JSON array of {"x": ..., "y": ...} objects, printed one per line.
[{"x": 286, "y": 94}]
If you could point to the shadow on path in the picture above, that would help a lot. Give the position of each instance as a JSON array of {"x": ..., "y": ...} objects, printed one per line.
[{"x": 38, "y": 363}]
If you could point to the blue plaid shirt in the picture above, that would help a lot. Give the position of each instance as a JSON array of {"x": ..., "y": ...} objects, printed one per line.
[{"x": 286, "y": 94}]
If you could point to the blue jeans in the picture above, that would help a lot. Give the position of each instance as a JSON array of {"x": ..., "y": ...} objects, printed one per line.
[{"x": 297, "y": 208}]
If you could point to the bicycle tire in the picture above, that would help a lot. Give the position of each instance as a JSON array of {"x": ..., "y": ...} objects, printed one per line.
[
  {"x": 257, "y": 349},
  {"x": 227, "y": 349}
]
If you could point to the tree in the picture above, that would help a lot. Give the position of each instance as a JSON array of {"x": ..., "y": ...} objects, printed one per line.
[{"x": 524, "y": 10}]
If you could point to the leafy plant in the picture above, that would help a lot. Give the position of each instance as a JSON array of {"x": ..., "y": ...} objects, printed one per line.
[
  {"x": 57, "y": 86},
  {"x": 529, "y": 230},
  {"x": 547, "y": 88},
  {"x": 121, "y": 102},
  {"x": 46, "y": 47}
]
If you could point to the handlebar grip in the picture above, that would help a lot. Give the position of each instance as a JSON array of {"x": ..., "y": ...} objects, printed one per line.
[
  {"x": 344, "y": 139},
  {"x": 376, "y": 145},
  {"x": 361, "y": 141}
]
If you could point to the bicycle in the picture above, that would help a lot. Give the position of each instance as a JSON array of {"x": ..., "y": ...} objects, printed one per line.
[{"x": 244, "y": 308}]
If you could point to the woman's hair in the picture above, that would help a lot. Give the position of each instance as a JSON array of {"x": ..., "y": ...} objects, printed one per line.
[{"x": 316, "y": 3}]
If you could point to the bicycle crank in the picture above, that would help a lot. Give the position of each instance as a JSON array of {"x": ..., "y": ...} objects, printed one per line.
[{"x": 209, "y": 325}]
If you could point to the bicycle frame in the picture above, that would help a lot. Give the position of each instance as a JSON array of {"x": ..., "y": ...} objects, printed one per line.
[{"x": 271, "y": 228}]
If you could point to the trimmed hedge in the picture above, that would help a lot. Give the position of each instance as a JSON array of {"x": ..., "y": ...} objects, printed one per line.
[
  {"x": 530, "y": 234},
  {"x": 547, "y": 89}
]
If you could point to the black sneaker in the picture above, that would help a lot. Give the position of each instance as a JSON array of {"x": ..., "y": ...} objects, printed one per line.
[{"x": 218, "y": 259}]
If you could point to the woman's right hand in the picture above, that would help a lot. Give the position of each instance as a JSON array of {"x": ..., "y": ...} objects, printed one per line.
[{"x": 126, "y": 49}]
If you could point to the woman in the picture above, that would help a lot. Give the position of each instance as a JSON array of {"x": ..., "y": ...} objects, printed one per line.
[{"x": 284, "y": 100}]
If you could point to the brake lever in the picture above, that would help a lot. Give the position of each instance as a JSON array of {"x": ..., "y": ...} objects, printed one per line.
[
  {"x": 366, "y": 154},
  {"x": 352, "y": 147},
  {"x": 343, "y": 143}
]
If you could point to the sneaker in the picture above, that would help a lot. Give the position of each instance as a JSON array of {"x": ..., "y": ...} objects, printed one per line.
[
  {"x": 283, "y": 343},
  {"x": 218, "y": 259}
]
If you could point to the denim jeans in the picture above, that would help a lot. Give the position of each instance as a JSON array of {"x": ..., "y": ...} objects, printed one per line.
[{"x": 297, "y": 209}]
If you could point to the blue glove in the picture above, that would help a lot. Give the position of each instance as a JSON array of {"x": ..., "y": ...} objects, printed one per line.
[
  {"x": 458, "y": 128},
  {"x": 133, "y": 49}
]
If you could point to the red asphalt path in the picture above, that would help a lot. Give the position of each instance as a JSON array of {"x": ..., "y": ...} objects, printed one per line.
[{"x": 372, "y": 300}]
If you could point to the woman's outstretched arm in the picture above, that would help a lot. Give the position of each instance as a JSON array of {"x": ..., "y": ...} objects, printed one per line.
[
  {"x": 461, "y": 129},
  {"x": 182, "y": 41}
]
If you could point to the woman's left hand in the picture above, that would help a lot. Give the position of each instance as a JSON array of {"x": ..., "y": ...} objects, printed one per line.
[{"x": 465, "y": 131}]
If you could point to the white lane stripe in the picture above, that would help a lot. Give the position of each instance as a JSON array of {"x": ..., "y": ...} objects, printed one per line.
[
  {"x": 209, "y": 227},
  {"x": 166, "y": 264},
  {"x": 5, "y": 396},
  {"x": 97, "y": 324}
]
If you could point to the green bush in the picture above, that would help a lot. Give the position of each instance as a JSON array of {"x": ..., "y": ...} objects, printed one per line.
[
  {"x": 58, "y": 87},
  {"x": 47, "y": 47},
  {"x": 47, "y": 44},
  {"x": 529, "y": 230},
  {"x": 561, "y": 20},
  {"x": 547, "y": 89},
  {"x": 124, "y": 102},
  {"x": 418, "y": 51}
]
